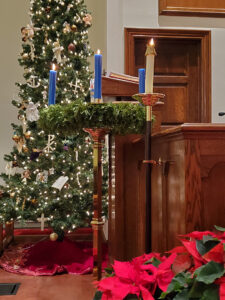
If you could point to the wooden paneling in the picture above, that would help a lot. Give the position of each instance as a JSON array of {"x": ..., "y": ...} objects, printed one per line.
[
  {"x": 182, "y": 70},
  {"x": 190, "y": 191},
  {"x": 127, "y": 206},
  {"x": 188, "y": 188},
  {"x": 202, "y": 8}
]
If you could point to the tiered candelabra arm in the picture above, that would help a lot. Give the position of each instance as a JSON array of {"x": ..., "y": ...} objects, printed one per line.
[
  {"x": 148, "y": 100},
  {"x": 97, "y": 135}
]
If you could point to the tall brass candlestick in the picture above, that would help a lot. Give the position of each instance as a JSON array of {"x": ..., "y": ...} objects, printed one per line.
[{"x": 97, "y": 135}]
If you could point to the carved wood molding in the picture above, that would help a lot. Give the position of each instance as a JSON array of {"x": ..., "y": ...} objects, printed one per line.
[
  {"x": 202, "y": 8},
  {"x": 202, "y": 36}
]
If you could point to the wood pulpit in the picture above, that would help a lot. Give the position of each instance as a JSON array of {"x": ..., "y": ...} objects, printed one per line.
[{"x": 189, "y": 185}]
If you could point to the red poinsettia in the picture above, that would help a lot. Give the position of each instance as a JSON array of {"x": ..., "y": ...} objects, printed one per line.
[
  {"x": 138, "y": 278},
  {"x": 199, "y": 263}
]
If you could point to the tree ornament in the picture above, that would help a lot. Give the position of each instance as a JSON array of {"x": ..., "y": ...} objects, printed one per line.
[
  {"x": 74, "y": 28},
  {"x": 33, "y": 82},
  {"x": 57, "y": 52},
  {"x": 32, "y": 112},
  {"x": 53, "y": 236},
  {"x": 75, "y": 86},
  {"x": 71, "y": 47},
  {"x": 34, "y": 201},
  {"x": 66, "y": 186},
  {"x": 26, "y": 174},
  {"x": 20, "y": 144},
  {"x": 25, "y": 55},
  {"x": 65, "y": 147},
  {"x": 35, "y": 153},
  {"x": 16, "y": 138},
  {"x": 59, "y": 183},
  {"x": 48, "y": 9},
  {"x": 28, "y": 32},
  {"x": 25, "y": 148},
  {"x": 66, "y": 28},
  {"x": 87, "y": 19},
  {"x": 49, "y": 147},
  {"x": 9, "y": 169},
  {"x": 51, "y": 171},
  {"x": 42, "y": 177},
  {"x": 23, "y": 105},
  {"x": 12, "y": 194},
  {"x": 14, "y": 164},
  {"x": 27, "y": 135},
  {"x": 46, "y": 38},
  {"x": 69, "y": 8},
  {"x": 32, "y": 55}
]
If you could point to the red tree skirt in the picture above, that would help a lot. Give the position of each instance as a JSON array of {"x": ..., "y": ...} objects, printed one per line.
[{"x": 50, "y": 258}]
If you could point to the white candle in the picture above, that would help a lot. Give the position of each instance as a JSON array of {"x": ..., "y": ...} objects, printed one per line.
[{"x": 150, "y": 60}]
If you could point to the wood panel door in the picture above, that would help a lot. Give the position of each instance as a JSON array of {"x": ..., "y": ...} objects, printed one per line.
[{"x": 182, "y": 71}]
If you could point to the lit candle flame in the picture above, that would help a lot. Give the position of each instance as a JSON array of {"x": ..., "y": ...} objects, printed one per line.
[
  {"x": 53, "y": 67},
  {"x": 98, "y": 51},
  {"x": 152, "y": 42}
]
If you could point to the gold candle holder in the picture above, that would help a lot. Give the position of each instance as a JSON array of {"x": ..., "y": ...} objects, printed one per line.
[{"x": 97, "y": 135}]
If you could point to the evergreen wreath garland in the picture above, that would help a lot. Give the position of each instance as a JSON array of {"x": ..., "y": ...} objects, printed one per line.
[{"x": 120, "y": 118}]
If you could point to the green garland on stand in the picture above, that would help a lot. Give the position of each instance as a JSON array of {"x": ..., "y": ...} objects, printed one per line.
[{"x": 120, "y": 118}]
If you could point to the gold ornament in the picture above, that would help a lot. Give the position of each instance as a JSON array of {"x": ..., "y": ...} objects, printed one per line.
[
  {"x": 12, "y": 195},
  {"x": 14, "y": 164},
  {"x": 27, "y": 135},
  {"x": 53, "y": 237},
  {"x": 16, "y": 138},
  {"x": 66, "y": 28},
  {"x": 25, "y": 148},
  {"x": 34, "y": 201},
  {"x": 74, "y": 28},
  {"x": 25, "y": 55}
]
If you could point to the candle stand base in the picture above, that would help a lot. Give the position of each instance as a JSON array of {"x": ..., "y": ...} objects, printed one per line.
[{"x": 97, "y": 135}]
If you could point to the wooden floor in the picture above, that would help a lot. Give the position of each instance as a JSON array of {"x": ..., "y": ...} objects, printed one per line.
[{"x": 60, "y": 287}]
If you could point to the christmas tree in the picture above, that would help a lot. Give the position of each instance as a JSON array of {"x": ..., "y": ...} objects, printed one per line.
[{"x": 51, "y": 175}]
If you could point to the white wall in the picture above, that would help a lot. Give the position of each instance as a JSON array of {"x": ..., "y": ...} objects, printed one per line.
[
  {"x": 98, "y": 30},
  {"x": 144, "y": 14},
  {"x": 13, "y": 15}
]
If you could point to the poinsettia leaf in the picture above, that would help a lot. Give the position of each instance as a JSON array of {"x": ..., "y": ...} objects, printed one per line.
[
  {"x": 219, "y": 228},
  {"x": 197, "y": 289},
  {"x": 207, "y": 238},
  {"x": 210, "y": 293},
  {"x": 154, "y": 261},
  {"x": 181, "y": 263},
  {"x": 178, "y": 282},
  {"x": 109, "y": 271},
  {"x": 203, "y": 248},
  {"x": 216, "y": 254},
  {"x": 98, "y": 295},
  {"x": 210, "y": 272},
  {"x": 183, "y": 295}
]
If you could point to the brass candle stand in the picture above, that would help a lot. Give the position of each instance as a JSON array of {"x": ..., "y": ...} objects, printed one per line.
[
  {"x": 97, "y": 135},
  {"x": 149, "y": 100}
]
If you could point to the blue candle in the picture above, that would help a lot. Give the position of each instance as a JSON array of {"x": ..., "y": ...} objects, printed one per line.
[
  {"x": 141, "y": 73},
  {"x": 52, "y": 86},
  {"x": 98, "y": 77}
]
